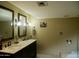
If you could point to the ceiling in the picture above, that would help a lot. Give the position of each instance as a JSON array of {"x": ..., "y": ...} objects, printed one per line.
[{"x": 55, "y": 9}]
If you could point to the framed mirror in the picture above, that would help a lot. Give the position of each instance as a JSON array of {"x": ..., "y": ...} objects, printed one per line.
[
  {"x": 6, "y": 23},
  {"x": 22, "y": 29}
]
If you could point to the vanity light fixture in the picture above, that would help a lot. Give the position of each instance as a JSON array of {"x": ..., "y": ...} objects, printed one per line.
[
  {"x": 24, "y": 24},
  {"x": 19, "y": 23},
  {"x": 30, "y": 24}
]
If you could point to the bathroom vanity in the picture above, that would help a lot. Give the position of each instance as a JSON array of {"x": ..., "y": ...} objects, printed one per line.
[
  {"x": 8, "y": 25},
  {"x": 23, "y": 49}
]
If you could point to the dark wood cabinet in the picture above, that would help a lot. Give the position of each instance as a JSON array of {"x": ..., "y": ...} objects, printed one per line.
[{"x": 29, "y": 51}]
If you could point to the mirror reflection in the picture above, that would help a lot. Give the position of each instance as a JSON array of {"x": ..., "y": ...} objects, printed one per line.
[
  {"x": 21, "y": 25},
  {"x": 6, "y": 27}
]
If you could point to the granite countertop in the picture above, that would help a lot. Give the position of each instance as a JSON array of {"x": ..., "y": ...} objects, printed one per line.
[{"x": 17, "y": 47}]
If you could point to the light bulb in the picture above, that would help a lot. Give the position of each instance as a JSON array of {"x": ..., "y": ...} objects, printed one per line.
[
  {"x": 24, "y": 24},
  {"x": 29, "y": 24},
  {"x": 19, "y": 24}
]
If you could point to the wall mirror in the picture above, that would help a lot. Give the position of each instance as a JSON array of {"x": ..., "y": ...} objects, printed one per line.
[
  {"x": 6, "y": 23},
  {"x": 22, "y": 25}
]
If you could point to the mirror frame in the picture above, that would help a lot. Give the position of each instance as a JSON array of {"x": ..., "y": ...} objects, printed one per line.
[
  {"x": 5, "y": 8},
  {"x": 22, "y": 35}
]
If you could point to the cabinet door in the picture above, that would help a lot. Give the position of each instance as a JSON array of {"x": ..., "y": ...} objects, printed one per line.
[{"x": 27, "y": 52}]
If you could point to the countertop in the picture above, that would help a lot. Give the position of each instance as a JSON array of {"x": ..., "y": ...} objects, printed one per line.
[{"x": 17, "y": 47}]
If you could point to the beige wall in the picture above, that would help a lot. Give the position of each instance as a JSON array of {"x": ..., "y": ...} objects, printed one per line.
[{"x": 50, "y": 36}]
